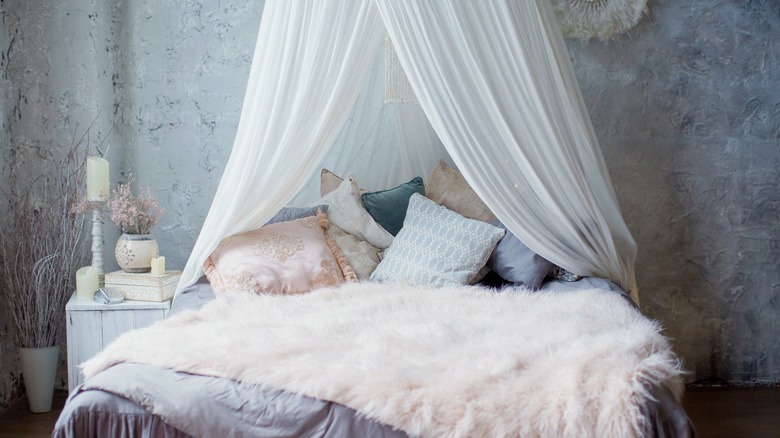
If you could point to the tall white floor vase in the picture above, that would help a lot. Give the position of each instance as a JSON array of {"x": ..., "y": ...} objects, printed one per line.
[{"x": 39, "y": 368}]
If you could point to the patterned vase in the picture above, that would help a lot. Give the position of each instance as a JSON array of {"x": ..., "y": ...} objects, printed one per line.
[{"x": 134, "y": 252}]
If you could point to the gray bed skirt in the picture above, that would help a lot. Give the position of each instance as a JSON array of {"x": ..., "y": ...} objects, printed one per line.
[{"x": 224, "y": 407}]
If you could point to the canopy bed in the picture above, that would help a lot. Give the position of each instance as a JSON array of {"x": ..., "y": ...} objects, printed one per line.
[{"x": 410, "y": 349}]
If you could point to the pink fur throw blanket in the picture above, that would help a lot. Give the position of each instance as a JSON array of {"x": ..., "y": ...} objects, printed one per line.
[{"x": 450, "y": 362}]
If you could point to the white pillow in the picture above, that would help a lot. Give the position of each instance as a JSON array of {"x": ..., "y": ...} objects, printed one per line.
[
  {"x": 437, "y": 247},
  {"x": 346, "y": 211}
]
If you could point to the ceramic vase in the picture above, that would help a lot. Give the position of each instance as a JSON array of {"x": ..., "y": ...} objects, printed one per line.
[
  {"x": 39, "y": 369},
  {"x": 134, "y": 252}
]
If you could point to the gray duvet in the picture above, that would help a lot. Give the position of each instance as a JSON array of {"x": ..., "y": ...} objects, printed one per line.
[{"x": 193, "y": 405}]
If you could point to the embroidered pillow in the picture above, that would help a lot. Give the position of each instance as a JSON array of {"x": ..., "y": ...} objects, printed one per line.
[
  {"x": 329, "y": 182},
  {"x": 448, "y": 187},
  {"x": 388, "y": 207},
  {"x": 437, "y": 247},
  {"x": 292, "y": 213},
  {"x": 361, "y": 255},
  {"x": 282, "y": 258},
  {"x": 516, "y": 263},
  {"x": 346, "y": 211}
]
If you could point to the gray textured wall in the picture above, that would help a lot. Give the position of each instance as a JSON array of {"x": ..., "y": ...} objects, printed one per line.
[
  {"x": 687, "y": 107},
  {"x": 169, "y": 76},
  {"x": 56, "y": 81},
  {"x": 9, "y": 373}
]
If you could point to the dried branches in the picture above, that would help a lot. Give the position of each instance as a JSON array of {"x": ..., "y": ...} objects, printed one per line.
[{"x": 41, "y": 246}]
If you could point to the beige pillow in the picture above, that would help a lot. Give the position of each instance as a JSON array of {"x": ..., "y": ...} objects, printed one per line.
[
  {"x": 329, "y": 182},
  {"x": 361, "y": 255},
  {"x": 446, "y": 186},
  {"x": 282, "y": 258}
]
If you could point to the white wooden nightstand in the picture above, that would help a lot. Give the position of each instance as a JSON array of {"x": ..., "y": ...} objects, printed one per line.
[{"x": 92, "y": 326}]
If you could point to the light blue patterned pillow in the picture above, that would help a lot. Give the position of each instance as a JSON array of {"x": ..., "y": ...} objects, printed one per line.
[{"x": 437, "y": 247}]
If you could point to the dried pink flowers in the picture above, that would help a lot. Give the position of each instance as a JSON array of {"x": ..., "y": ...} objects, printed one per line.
[{"x": 132, "y": 214}]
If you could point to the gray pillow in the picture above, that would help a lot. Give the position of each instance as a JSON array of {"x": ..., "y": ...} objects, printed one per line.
[
  {"x": 292, "y": 213},
  {"x": 516, "y": 263}
]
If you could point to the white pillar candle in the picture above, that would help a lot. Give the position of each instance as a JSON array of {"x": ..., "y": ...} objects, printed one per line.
[
  {"x": 87, "y": 282},
  {"x": 158, "y": 265},
  {"x": 97, "y": 179}
]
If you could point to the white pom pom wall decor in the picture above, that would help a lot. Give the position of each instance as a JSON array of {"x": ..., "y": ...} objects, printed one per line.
[{"x": 601, "y": 19}]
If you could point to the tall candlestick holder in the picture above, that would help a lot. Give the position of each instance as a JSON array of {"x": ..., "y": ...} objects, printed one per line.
[
  {"x": 97, "y": 245},
  {"x": 97, "y": 191}
]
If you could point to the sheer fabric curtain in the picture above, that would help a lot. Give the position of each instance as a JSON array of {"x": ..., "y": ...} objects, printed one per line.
[
  {"x": 495, "y": 80},
  {"x": 496, "y": 84},
  {"x": 309, "y": 65},
  {"x": 420, "y": 147},
  {"x": 383, "y": 145}
]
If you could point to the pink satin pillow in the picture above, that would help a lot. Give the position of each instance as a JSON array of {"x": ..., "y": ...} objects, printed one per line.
[{"x": 282, "y": 258}]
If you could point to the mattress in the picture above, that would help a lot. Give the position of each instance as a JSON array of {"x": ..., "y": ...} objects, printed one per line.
[{"x": 245, "y": 410}]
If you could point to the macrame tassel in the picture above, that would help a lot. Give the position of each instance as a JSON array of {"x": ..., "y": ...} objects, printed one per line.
[
  {"x": 397, "y": 87},
  {"x": 346, "y": 269},
  {"x": 212, "y": 273},
  {"x": 322, "y": 220}
]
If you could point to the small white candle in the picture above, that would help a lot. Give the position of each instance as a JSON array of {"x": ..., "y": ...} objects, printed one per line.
[
  {"x": 97, "y": 179},
  {"x": 158, "y": 265},
  {"x": 87, "y": 282}
]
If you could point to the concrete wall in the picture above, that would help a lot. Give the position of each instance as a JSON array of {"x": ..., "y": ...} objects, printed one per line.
[
  {"x": 9, "y": 372},
  {"x": 687, "y": 107},
  {"x": 162, "y": 82}
]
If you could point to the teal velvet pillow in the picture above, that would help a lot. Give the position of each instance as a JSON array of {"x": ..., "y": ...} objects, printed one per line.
[{"x": 388, "y": 207}]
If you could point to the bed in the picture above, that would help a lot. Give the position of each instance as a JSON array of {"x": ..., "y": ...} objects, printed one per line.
[
  {"x": 411, "y": 349},
  {"x": 230, "y": 409},
  {"x": 547, "y": 353}
]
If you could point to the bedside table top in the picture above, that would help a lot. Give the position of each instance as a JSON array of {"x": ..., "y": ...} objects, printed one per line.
[{"x": 75, "y": 304}]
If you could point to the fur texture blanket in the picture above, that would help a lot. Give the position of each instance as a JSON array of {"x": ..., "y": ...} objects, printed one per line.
[{"x": 444, "y": 362}]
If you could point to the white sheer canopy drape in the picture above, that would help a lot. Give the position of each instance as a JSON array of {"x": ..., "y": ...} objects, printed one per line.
[
  {"x": 493, "y": 78},
  {"x": 496, "y": 82},
  {"x": 309, "y": 63},
  {"x": 382, "y": 145}
]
